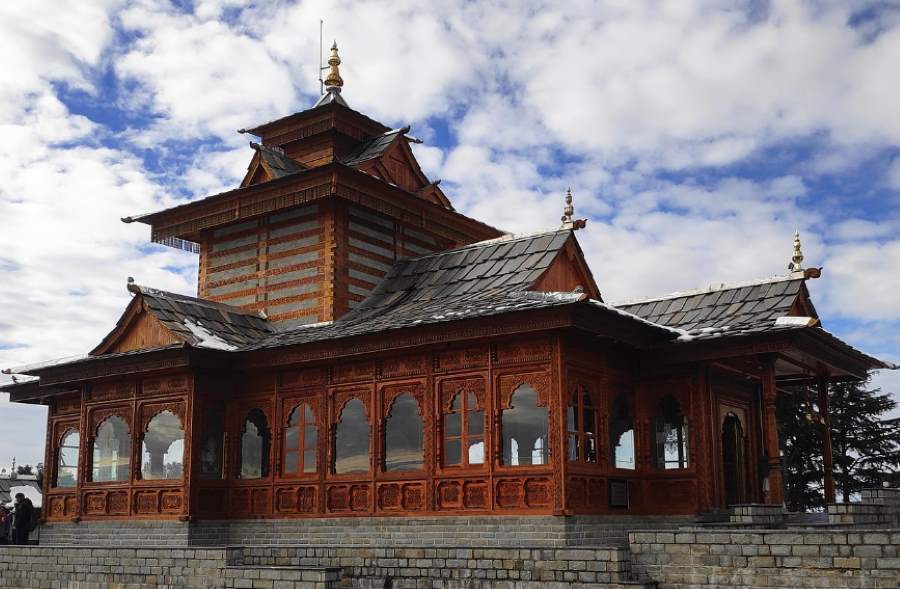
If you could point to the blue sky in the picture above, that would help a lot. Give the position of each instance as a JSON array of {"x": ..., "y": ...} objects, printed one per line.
[{"x": 696, "y": 136}]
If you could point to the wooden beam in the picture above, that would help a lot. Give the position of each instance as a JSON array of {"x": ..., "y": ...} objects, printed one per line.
[
  {"x": 825, "y": 425},
  {"x": 775, "y": 492}
]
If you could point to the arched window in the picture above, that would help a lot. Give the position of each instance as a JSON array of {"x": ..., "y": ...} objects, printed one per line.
[
  {"x": 112, "y": 451},
  {"x": 524, "y": 427},
  {"x": 67, "y": 459},
  {"x": 351, "y": 439},
  {"x": 301, "y": 438},
  {"x": 464, "y": 431},
  {"x": 163, "y": 448},
  {"x": 581, "y": 425},
  {"x": 621, "y": 435},
  {"x": 255, "y": 442},
  {"x": 403, "y": 436},
  {"x": 212, "y": 444},
  {"x": 670, "y": 449}
]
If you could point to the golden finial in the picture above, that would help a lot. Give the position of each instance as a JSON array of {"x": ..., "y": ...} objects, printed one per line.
[
  {"x": 568, "y": 218},
  {"x": 334, "y": 79},
  {"x": 796, "y": 264}
]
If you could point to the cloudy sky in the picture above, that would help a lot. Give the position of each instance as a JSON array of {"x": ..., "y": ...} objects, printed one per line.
[{"x": 696, "y": 136}]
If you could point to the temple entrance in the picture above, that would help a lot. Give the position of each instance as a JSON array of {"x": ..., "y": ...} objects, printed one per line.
[{"x": 734, "y": 456}]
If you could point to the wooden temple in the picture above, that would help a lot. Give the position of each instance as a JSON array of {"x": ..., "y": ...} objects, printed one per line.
[{"x": 358, "y": 347}]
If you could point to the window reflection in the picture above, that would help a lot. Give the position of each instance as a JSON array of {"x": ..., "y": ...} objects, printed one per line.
[
  {"x": 255, "y": 441},
  {"x": 524, "y": 427},
  {"x": 67, "y": 460},
  {"x": 403, "y": 436},
  {"x": 212, "y": 444},
  {"x": 300, "y": 441},
  {"x": 670, "y": 449},
  {"x": 464, "y": 428},
  {"x": 351, "y": 439},
  {"x": 622, "y": 435},
  {"x": 112, "y": 451},
  {"x": 581, "y": 427},
  {"x": 163, "y": 448}
]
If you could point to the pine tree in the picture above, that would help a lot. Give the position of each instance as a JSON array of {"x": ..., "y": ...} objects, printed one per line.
[
  {"x": 801, "y": 446},
  {"x": 866, "y": 447}
]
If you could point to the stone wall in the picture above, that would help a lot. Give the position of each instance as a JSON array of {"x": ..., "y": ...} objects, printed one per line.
[
  {"x": 879, "y": 506},
  {"x": 703, "y": 557},
  {"x": 161, "y": 567},
  {"x": 472, "y": 531}
]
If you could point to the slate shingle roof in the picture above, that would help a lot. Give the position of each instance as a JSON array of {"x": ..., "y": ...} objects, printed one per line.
[
  {"x": 278, "y": 164},
  {"x": 724, "y": 310},
  {"x": 191, "y": 319},
  {"x": 372, "y": 148}
]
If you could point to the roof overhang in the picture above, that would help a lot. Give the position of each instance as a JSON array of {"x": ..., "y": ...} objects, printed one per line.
[
  {"x": 800, "y": 353},
  {"x": 189, "y": 220}
]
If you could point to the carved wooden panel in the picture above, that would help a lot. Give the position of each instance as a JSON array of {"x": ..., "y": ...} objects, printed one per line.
[
  {"x": 404, "y": 366},
  {"x": 576, "y": 493},
  {"x": 462, "y": 358},
  {"x": 540, "y": 381},
  {"x": 510, "y": 493},
  {"x": 347, "y": 497},
  {"x": 524, "y": 492},
  {"x": 98, "y": 415},
  {"x": 95, "y": 503},
  {"x": 449, "y": 495},
  {"x": 539, "y": 492},
  {"x": 523, "y": 351},
  {"x": 341, "y": 397},
  {"x": 308, "y": 499},
  {"x": 304, "y": 378},
  {"x": 166, "y": 385},
  {"x": 117, "y": 502},
  {"x": 146, "y": 502},
  {"x": 356, "y": 372},
  {"x": 391, "y": 392},
  {"x": 62, "y": 507},
  {"x": 171, "y": 501},
  {"x": 401, "y": 496},
  {"x": 239, "y": 502},
  {"x": 450, "y": 387},
  {"x": 111, "y": 391},
  {"x": 67, "y": 404},
  {"x": 150, "y": 410},
  {"x": 668, "y": 496},
  {"x": 475, "y": 495},
  {"x": 261, "y": 501}
]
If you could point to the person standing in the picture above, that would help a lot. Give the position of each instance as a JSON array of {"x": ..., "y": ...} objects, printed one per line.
[
  {"x": 22, "y": 519},
  {"x": 5, "y": 525}
]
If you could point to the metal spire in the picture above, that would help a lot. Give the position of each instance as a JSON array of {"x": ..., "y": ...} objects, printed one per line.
[
  {"x": 796, "y": 264},
  {"x": 568, "y": 218},
  {"x": 334, "y": 81}
]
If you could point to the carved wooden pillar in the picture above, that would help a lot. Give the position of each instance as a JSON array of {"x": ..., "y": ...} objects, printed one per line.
[
  {"x": 825, "y": 424},
  {"x": 775, "y": 493}
]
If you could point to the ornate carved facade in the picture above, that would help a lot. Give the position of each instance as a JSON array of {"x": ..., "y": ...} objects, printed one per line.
[{"x": 361, "y": 348}]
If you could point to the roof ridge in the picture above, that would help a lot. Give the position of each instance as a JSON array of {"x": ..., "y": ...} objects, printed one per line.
[
  {"x": 487, "y": 242},
  {"x": 709, "y": 289},
  {"x": 156, "y": 292}
]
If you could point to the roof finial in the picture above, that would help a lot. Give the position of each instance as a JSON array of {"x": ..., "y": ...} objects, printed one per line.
[
  {"x": 334, "y": 80},
  {"x": 796, "y": 264},
  {"x": 568, "y": 218}
]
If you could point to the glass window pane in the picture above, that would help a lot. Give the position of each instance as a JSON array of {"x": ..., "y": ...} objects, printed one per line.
[
  {"x": 112, "y": 451},
  {"x": 211, "y": 447},
  {"x": 292, "y": 438},
  {"x": 452, "y": 452},
  {"x": 524, "y": 427},
  {"x": 471, "y": 401},
  {"x": 476, "y": 452},
  {"x": 295, "y": 416},
  {"x": 309, "y": 460},
  {"x": 570, "y": 419},
  {"x": 476, "y": 423},
  {"x": 310, "y": 436},
  {"x": 572, "y": 446},
  {"x": 255, "y": 441},
  {"x": 403, "y": 436},
  {"x": 456, "y": 404},
  {"x": 670, "y": 443},
  {"x": 351, "y": 444},
  {"x": 624, "y": 450},
  {"x": 67, "y": 462},
  {"x": 452, "y": 424},
  {"x": 308, "y": 415},
  {"x": 162, "y": 448},
  {"x": 588, "y": 421},
  {"x": 291, "y": 461}
]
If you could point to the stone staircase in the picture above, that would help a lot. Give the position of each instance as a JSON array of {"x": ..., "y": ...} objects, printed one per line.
[{"x": 880, "y": 507}]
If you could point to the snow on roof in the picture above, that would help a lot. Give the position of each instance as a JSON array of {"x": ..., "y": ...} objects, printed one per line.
[
  {"x": 206, "y": 338},
  {"x": 708, "y": 289}
]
